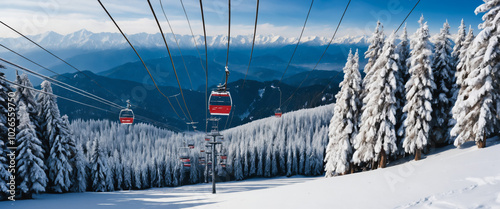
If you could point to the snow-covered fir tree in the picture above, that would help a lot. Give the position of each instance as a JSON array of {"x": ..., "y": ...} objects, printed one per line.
[
  {"x": 459, "y": 43},
  {"x": 56, "y": 141},
  {"x": 344, "y": 123},
  {"x": 28, "y": 97},
  {"x": 462, "y": 71},
  {"x": 377, "y": 132},
  {"x": 98, "y": 168},
  {"x": 49, "y": 116},
  {"x": 31, "y": 174},
  {"x": 444, "y": 78},
  {"x": 419, "y": 89},
  {"x": 68, "y": 140},
  {"x": 59, "y": 166},
  {"x": 79, "y": 178},
  {"x": 372, "y": 53},
  {"x": 402, "y": 77},
  {"x": 4, "y": 174},
  {"x": 477, "y": 106}
]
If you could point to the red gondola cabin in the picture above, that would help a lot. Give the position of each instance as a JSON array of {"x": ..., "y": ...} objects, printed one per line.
[{"x": 220, "y": 103}]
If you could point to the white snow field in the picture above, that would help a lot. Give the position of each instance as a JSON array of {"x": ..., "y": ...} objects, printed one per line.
[{"x": 447, "y": 178}]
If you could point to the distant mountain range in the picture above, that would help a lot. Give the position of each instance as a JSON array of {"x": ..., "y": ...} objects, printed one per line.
[
  {"x": 87, "y": 40},
  {"x": 109, "y": 60}
]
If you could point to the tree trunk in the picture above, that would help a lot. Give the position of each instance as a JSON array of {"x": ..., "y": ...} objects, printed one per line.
[
  {"x": 374, "y": 164},
  {"x": 482, "y": 143},
  {"x": 351, "y": 167},
  {"x": 383, "y": 158},
  {"x": 418, "y": 152}
]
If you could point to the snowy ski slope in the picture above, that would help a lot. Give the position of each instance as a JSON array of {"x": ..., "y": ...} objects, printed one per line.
[{"x": 447, "y": 178}]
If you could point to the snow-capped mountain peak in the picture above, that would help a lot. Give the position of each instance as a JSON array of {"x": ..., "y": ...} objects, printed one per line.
[{"x": 84, "y": 39}]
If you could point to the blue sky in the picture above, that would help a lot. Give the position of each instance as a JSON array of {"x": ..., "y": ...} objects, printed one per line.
[{"x": 279, "y": 17}]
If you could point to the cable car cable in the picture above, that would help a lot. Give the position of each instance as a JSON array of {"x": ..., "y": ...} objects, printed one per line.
[
  {"x": 64, "y": 85},
  {"x": 51, "y": 94},
  {"x": 227, "y": 52},
  {"x": 298, "y": 42},
  {"x": 407, "y": 16},
  {"x": 20, "y": 55},
  {"x": 177, "y": 42},
  {"x": 55, "y": 56},
  {"x": 143, "y": 63},
  {"x": 206, "y": 66},
  {"x": 81, "y": 103},
  {"x": 253, "y": 43},
  {"x": 228, "y": 32},
  {"x": 171, "y": 60},
  {"x": 331, "y": 80},
  {"x": 192, "y": 35},
  {"x": 59, "y": 83},
  {"x": 322, "y": 55}
]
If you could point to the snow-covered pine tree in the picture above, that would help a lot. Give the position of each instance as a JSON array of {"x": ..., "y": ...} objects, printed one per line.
[
  {"x": 443, "y": 72},
  {"x": 79, "y": 178},
  {"x": 344, "y": 123},
  {"x": 419, "y": 90},
  {"x": 54, "y": 143},
  {"x": 459, "y": 43},
  {"x": 28, "y": 97},
  {"x": 31, "y": 174},
  {"x": 374, "y": 50},
  {"x": 4, "y": 174},
  {"x": 68, "y": 141},
  {"x": 49, "y": 116},
  {"x": 59, "y": 166},
  {"x": 98, "y": 168},
  {"x": 462, "y": 71},
  {"x": 117, "y": 169},
  {"x": 377, "y": 133},
  {"x": 402, "y": 77},
  {"x": 477, "y": 106}
]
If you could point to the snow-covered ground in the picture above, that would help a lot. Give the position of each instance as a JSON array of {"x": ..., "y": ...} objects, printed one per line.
[{"x": 447, "y": 178}]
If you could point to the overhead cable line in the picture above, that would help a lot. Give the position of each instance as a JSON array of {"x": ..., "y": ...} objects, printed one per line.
[
  {"x": 177, "y": 42},
  {"x": 51, "y": 94},
  {"x": 322, "y": 55},
  {"x": 192, "y": 35},
  {"x": 55, "y": 80},
  {"x": 298, "y": 42},
  {"x": 55, "y": 56},
  {"x": 65, "y": 86},
  {"x": 228, "y": 33},
  {"x": 407, "y": 16},
  {"x": 228, "y": 42},
  {"x": 206, "y": 66},
  {"x": 171, "y": 60},
  {"x": 253, "y": 44},
  {"x": 85, "y": 104},
  {"x": 331, "y": 80},
  {"x": 20, "y": 55},
  {"x": 143, "y": 63}
]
